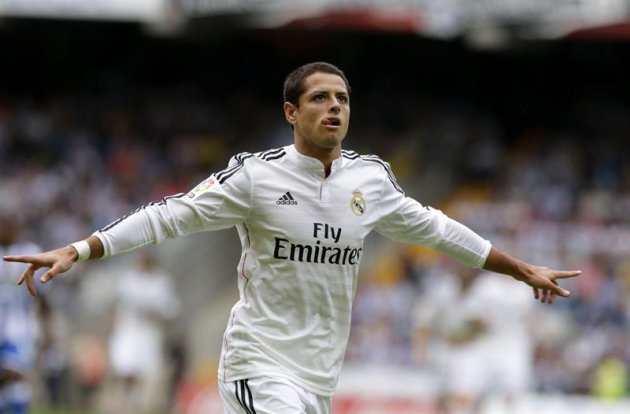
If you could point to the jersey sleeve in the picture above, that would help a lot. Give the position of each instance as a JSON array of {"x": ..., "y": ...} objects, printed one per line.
[
  {"x": 405, "y": 220},
  {"x": 220, "y": 201}
]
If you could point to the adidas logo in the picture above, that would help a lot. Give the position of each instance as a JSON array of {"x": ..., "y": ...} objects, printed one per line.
[{"x": 286, "y": 200}]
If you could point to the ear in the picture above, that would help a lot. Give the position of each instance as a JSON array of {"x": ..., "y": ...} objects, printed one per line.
[{"x": 290, "y": 113}]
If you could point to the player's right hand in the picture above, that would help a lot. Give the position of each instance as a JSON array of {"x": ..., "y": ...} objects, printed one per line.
[{"x": 58, "y": 261}]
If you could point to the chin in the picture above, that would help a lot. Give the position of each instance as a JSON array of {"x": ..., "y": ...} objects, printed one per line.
[
  {"x": 332, "y": 140},
  {"x": 330, "y": 143},
  {"x": 327, "y": 141}
]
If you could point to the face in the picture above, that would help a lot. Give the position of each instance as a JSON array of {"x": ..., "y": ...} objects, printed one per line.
[{"x": 321, "y": 120}]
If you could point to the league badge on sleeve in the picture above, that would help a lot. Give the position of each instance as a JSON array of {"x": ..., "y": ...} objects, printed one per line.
[
  {"x": 357, "y": 204},
  {"x": 204, "y": 186}
]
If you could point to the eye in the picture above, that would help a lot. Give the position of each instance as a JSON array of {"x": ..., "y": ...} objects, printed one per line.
[
  {"x": 319, "y": 97},
  {"x": 342, "y": 98}
]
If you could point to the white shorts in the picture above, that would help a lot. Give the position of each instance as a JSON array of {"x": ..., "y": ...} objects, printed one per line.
[
  {"x": 476, "y": 369},
  {"x": 268, "y": 395},
  {"x": 133, "y": 354}
]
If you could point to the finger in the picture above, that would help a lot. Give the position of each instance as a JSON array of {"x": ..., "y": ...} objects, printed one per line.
[
  {"x": 536, "y": 293},
  {"x": 20, "y": 259},
  {"x": 47, "y": 276},
  {"x": 21, "y": 279},
  {"x": 563, "y": 274},
  {"x": 560, "y": 292},
  {"x": 50, "y": 273},
  {"x": 29, "y": 281},
  {"x": 551, "y": 297},
  {"x": 28, "y": 273},
  {"x": 544, "y": 295}
]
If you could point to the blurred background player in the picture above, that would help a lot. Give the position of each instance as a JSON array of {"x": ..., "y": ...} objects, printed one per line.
[
  {"x": 18, "y": 323},
  {"x": 477, "y": 337},
  {"x": 146, "y": 302}
]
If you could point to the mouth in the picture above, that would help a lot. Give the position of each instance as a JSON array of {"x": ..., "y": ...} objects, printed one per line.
[{"x": 331, "y": 122}]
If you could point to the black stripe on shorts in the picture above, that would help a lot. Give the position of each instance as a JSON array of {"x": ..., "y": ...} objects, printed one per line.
[{"x": 245, "y": 399}]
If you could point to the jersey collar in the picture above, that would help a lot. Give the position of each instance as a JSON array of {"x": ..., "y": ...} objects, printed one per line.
[{"x": 311, "y": 163}]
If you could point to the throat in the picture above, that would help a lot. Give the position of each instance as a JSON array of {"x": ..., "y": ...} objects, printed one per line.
[{"x": 327, "y": 169}]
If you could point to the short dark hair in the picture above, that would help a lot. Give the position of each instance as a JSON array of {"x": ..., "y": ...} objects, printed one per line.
[{"x": 294, "y": 85}]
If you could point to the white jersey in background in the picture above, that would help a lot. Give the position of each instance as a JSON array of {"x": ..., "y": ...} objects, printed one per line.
[
  {"x": 302, "y": 240},
  {"x": 145, "y": 300},
  {"x": 498, "y": 359}
]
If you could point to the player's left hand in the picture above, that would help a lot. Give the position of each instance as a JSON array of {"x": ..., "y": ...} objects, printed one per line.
[{"x": 544, "y": 282}]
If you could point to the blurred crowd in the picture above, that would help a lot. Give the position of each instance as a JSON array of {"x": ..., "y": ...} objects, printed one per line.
[
  {"x": 557, "y": 195},
  {"x": 554, "y": 193}
]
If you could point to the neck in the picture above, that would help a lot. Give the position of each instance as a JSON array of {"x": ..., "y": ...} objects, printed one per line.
[{"x": 327, "y": 159}]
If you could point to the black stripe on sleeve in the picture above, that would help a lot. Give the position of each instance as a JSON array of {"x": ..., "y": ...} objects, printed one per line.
[
  {"x": 351, "y": 155},
  {"x": 220, "y": 174},
  {"x": 231, "y": 173},
  {"x": 228, "y": 172},
  {"x": 126, "y": 216},
  {"x": 114, "y": 223},
  {"x": 275, "y": 157},
  {"x": 267, "y": 156},
  {"x": 390, "y": 174},
  {"x": 269, "y": 153},
  {"x": 239, "y": 158},
  {"x": 165, "y": 199}
]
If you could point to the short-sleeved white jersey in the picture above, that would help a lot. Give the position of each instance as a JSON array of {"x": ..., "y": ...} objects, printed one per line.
[{"x": 302, "y": 240}]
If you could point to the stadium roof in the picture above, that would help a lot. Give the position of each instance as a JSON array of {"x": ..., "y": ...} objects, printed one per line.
[{"x": 521, "y": 19}]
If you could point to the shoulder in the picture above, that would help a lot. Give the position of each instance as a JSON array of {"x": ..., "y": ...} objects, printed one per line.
[
  {"x": 269, "y": 155},
  {"x": 366, "y": 160},
  {"x": 372, "y": 164},
  {"x": 246, "y": 160}
]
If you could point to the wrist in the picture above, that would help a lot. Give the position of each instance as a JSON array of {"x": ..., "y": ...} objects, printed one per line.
[
  {"x": 82, "y": 250},
  {"x": 523, "y": 272}
]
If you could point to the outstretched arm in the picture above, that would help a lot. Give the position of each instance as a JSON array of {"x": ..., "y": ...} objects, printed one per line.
[
  {"x": 410, "y": 222},
  {"x": 58, "y": 261},
  {"x": 542, "y": 279}
]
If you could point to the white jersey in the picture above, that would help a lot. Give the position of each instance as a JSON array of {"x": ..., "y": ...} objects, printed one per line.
[
  {"x": 498, "y": 360},
  {"x": 302, "y": 240},
  {"x": 145, "y": 300}
]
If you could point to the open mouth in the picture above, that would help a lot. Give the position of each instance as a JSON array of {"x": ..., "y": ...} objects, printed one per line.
[{"x": 333, "y": 122}]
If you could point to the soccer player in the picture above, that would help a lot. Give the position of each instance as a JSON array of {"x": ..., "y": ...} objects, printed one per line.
[
  {"x": 145, "y": 302},
  {"x": 302, "y": 212},
  {"x": 18, "y": 321},
  {"x": 469, "y": 341}
]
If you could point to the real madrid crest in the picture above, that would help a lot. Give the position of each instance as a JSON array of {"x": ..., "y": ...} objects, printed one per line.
[{"x": 357, "y": 204}]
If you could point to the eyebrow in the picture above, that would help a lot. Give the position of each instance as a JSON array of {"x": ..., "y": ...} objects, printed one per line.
[{"x": 318, "y": 91}]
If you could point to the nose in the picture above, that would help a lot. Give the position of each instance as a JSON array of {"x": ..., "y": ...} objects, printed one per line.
[{"x": 335, "y": 108}]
